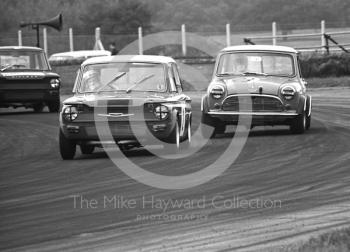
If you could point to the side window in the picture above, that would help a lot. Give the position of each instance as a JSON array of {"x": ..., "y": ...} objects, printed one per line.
[
  {"x": 177, "y": 78},
  {"x": 77, "y": 81},
  {"x": 299, "y": 68},
  {"x": 171, "y": 79}
]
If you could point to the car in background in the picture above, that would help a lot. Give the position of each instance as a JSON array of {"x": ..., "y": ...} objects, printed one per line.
[
  {"x": 75, "y": 57},
  {"x": 26, "y": 79},
  {"x": 260, "y": 81},
  {"x": 145, "y": 91}
]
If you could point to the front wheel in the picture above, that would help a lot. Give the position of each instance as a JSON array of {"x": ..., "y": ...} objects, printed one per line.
[
  {"x": 87, "y": 149},
  {"x": 67, "y": 147},
  {"x": 299, "y": 124},
  {"x": 219, "y": 126},
  {"x": 174, "y": 137},
  {"x": 54, "y": 106}
]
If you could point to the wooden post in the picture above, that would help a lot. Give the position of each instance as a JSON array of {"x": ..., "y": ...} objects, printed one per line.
[
  {"x": 45, "y": 39},
  {"x": 183, "y": 40},
  {"x": 19, "y": 38},
  {"x": 140, "y": 41},
  {"x": 71, "y": 44},
  {"x": 323, "y": 38},
  {"x": 228, "y": 35},
  {"x": 274, "y": 31},
  {"x": 98, "y": 44}
]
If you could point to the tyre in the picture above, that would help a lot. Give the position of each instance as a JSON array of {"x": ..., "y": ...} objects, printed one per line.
[
  {"x": 308, "y": 122},
  {"x": 67, "y": 147},
  {"x": 87, "y": 149},
  {"x": 38, "y": 107},
  {"x": 174, "y": 136},
  {"x": 187, "y": 137},
  {"x": 299, "y": 124},
  {"x": 219, "y": 127},
  {"x": 54, "y": 106}
]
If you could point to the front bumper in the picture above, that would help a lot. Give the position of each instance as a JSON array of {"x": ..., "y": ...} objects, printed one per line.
[
  {"x": 115, "y": 131},
  {"x": 257, "y": 118}
]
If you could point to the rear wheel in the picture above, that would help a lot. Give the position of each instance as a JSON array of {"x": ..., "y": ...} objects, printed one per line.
[
  {"x": 67, "y": 147},
  {"x": 87, "y": 149},
  {"x": 299, "y": 124}
]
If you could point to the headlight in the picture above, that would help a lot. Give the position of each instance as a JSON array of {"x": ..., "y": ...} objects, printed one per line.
[
  {"x": 288, "y": 92},
  {"x": 55, "y": 83},
  {"x": 70, "y": 113},
  {"x": 217, "y": 91},
  {"x": 161, "y": 112}
]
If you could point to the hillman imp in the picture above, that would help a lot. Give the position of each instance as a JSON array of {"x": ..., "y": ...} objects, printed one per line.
[
  {"x": 26, "y": 79},
  {"x": 138, "y": 95},
  {"x": 260, "y": 81}
]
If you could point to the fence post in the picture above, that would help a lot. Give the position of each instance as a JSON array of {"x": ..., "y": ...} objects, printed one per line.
[
  {"x": 71, "y": 44},
  {"x": 140, "y": 41},
  {"x": 19, "y": 38},
  {"x": 228, "y": 35},
  {"x": 183, "y": 39},
  {"x": 98, "y": 44},
  {"x": 274, "y": 31},
  {"x": 45, "y": 39},
  {"x": 323, "y": 38}
]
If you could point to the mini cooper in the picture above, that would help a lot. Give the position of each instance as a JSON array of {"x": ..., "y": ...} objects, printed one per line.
[
  {"x": 139, "y": 96},
  {"x": 260, "y": 81},
  {"x": 26, "y": 79}
]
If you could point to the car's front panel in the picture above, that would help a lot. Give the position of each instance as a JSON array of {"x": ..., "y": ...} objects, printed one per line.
[
  {"x": 127, "y": 117},
  {"x": 22, "y": 87},
  {"x": 25, "y": 78}
]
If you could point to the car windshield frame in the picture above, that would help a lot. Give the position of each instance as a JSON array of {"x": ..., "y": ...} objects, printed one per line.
[
  {"x": 120, "y": 74},
  {"x": 257, "y": 54},
  {"x": 14, "y": 58}
]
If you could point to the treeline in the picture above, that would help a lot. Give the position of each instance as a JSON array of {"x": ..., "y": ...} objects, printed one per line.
[
  {"x": 124, "y": 16},
  {"x": 319, "y": 65}
]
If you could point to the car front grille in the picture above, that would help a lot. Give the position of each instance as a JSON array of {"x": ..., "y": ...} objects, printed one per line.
[{"x": 252, "y": 103}]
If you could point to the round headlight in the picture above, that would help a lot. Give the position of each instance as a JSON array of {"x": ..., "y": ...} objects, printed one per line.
[
  {"x": 288, "y": 92},
  {"x": 161, "y": 112},
  {"x": 55, "y": 83},
  {"x": 70, "y": 113},
  {"x": 217, "y": 91}
]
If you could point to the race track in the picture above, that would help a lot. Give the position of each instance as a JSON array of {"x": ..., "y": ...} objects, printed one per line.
[{"x": 307, "y": 176}]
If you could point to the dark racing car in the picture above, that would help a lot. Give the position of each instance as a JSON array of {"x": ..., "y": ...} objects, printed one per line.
[{"x": 26, "y": 79}]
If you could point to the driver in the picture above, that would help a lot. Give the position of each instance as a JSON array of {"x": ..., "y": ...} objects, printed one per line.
[
  {"x": 240, "y": 64},
  {"x": 92, "y": 80}
]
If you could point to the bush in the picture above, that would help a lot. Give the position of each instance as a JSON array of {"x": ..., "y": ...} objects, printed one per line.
[{"x": 320, "y": 65}]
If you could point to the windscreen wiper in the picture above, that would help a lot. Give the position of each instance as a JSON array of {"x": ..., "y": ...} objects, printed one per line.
[
  {"x": 111, "y": 81},
  {"x": 254, "y": 73},
  {"x": 9, "y": 66},
  {"x": 139, "y": 82}
]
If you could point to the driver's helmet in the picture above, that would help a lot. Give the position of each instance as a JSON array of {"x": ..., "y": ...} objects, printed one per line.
[{"x": 92, "y": 80}]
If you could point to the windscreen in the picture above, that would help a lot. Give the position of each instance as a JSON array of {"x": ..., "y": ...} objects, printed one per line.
[
  {"x": 245, "y": 63},
  {"x": 123, "y": 77},
  {"x": 28, "y": 60}
]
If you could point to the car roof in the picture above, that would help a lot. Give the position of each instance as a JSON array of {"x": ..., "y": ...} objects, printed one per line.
[
  {"x": 23, "y": 48},
  {"x": 82, "y": 53},
  {"x": 129, "y": 58},
  {"x": 271, "y": 48}
]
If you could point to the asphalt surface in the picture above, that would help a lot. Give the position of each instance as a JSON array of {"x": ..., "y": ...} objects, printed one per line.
[{"x": 301, "y": 181}]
